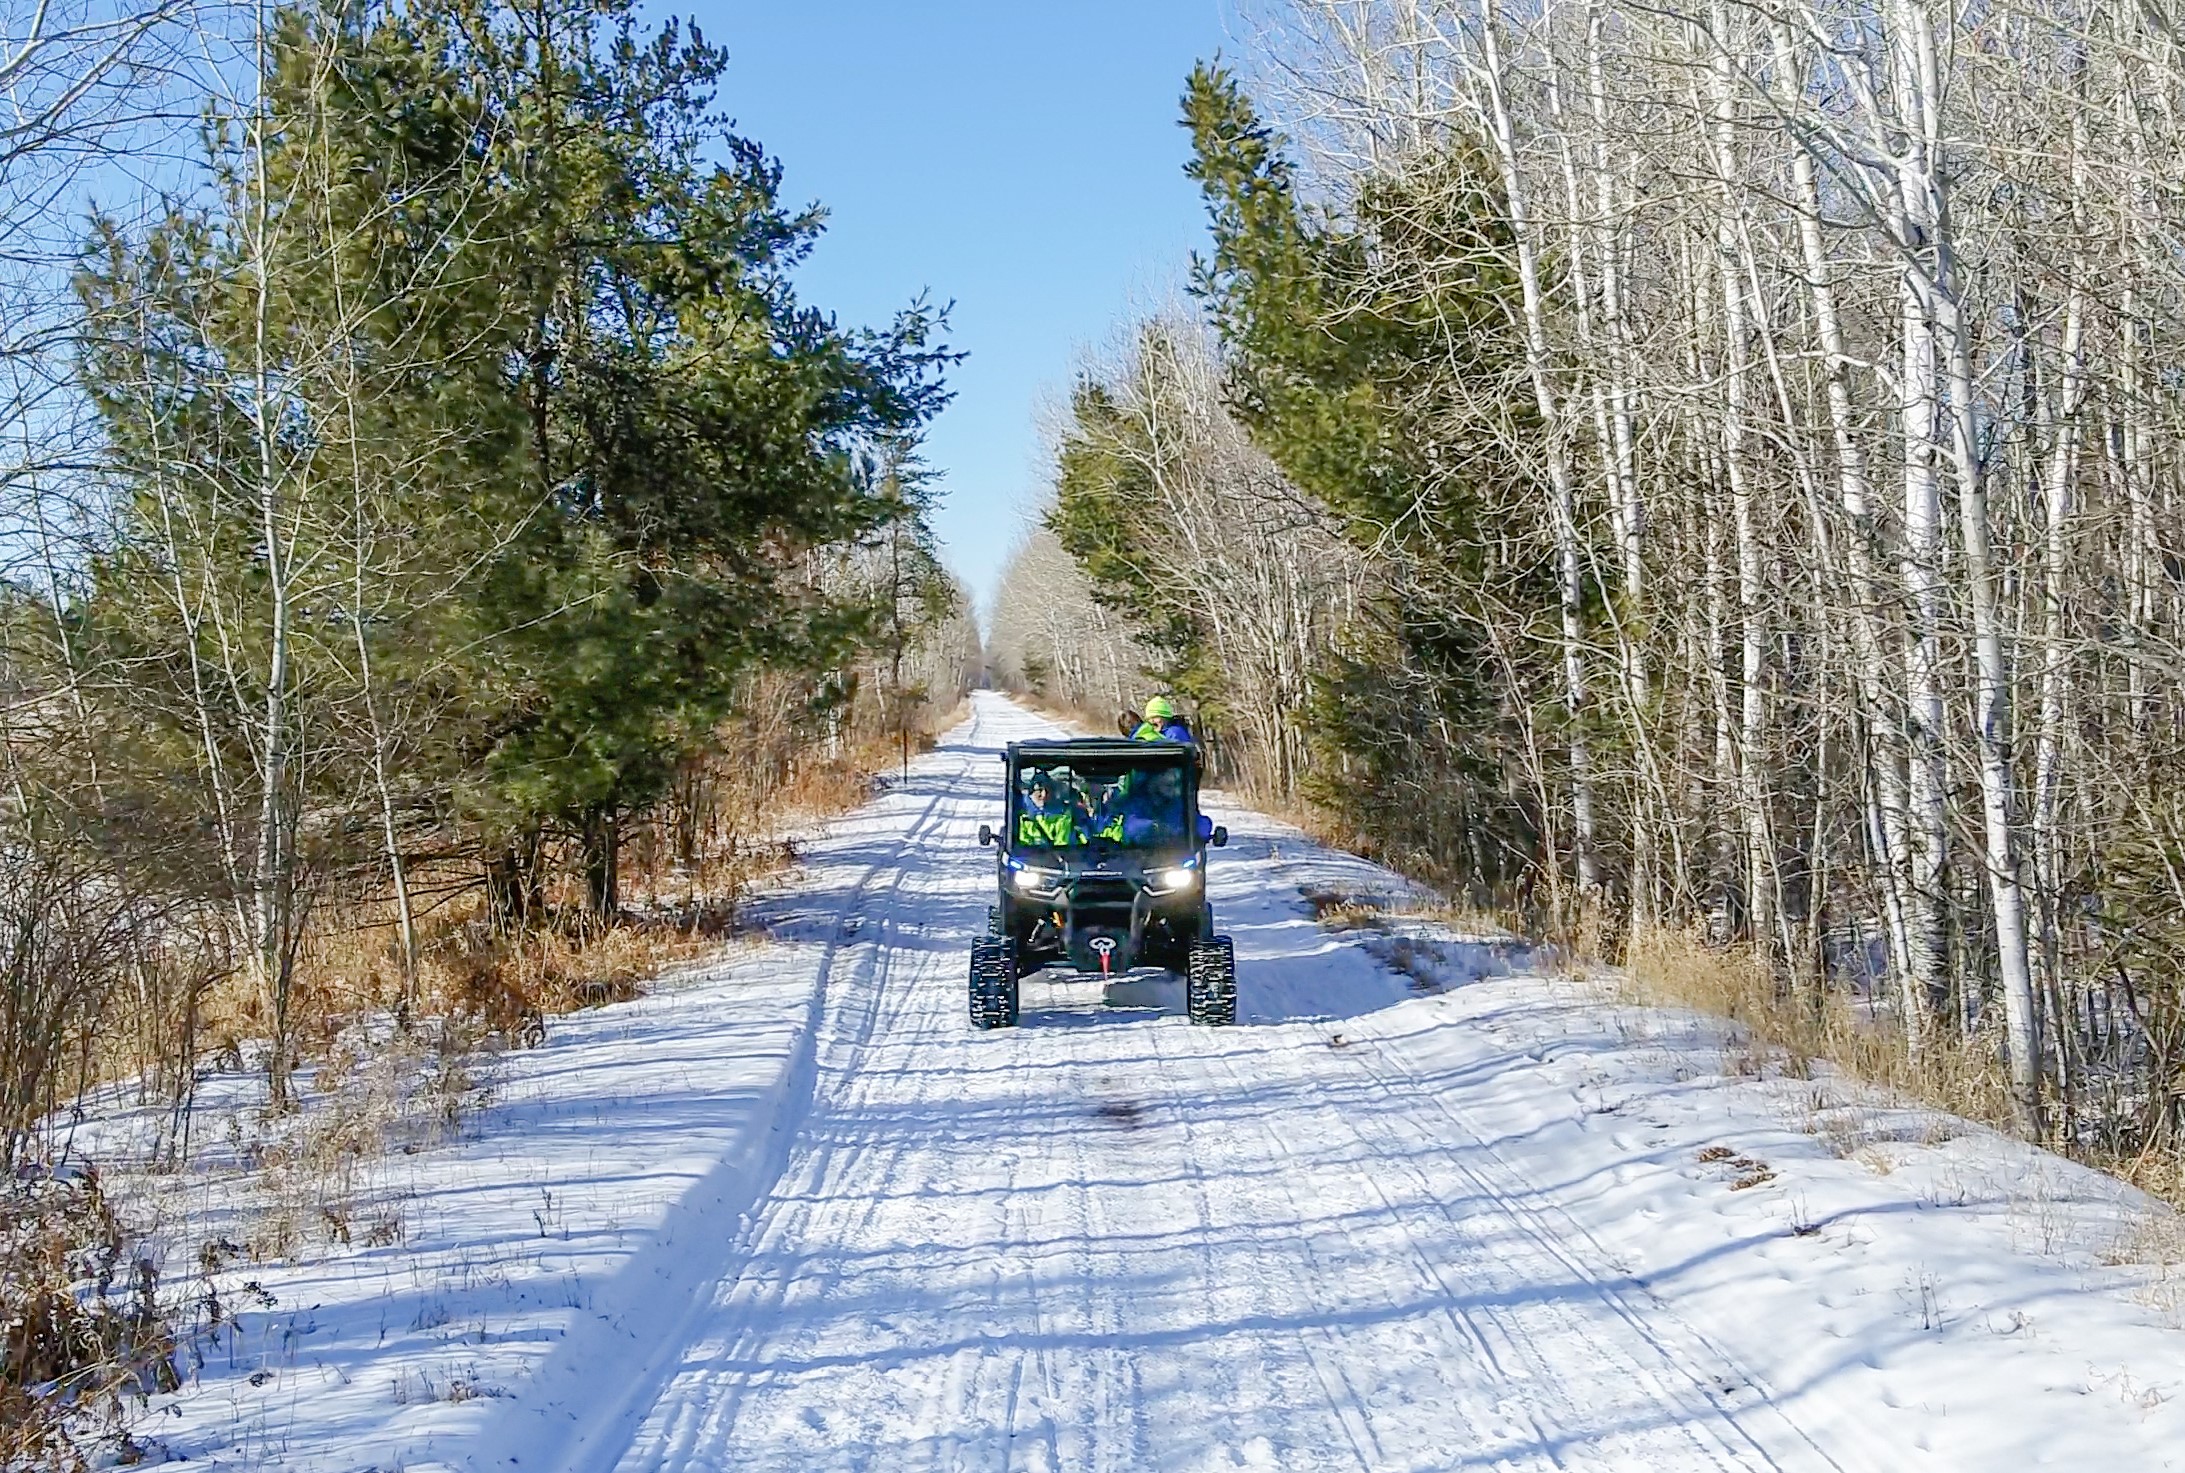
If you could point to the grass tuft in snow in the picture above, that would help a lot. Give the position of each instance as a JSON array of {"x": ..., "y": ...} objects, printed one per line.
[
  {"x": 84, "y": 1338},
  {"x": 1784, "y": 1031}
]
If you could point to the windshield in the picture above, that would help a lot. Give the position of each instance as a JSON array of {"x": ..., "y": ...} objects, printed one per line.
[{"x": 1064, "y": 804}]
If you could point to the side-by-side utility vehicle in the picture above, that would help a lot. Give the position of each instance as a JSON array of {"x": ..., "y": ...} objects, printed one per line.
[{"x": 1102, "y": 869}]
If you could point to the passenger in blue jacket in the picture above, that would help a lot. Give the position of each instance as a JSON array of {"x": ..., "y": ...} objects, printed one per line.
[{"x": 1163, "y": 723}]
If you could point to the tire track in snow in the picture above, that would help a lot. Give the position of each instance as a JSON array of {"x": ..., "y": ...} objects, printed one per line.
[
  {"x": 1267, "y": 1261},
  {"x": 1513, "y": 1350},
  {"x": 1276, "y": 1145},
  {"x": 599, "y": 1440},
  {"x": 1698, "y": 1400},
  {"x": 996, "y": 1445},
  {"x": 844, "y": 1141},
  {"x": 1697, "y": 1367},
  {"x": 697, "y": 1424},
  {"x": 1342, "y": 1405}
]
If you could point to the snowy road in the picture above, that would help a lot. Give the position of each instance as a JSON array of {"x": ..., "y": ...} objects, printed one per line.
[
  {"x": 1426, "y": 1207},
  {"x": 1109, "y": 1240}
]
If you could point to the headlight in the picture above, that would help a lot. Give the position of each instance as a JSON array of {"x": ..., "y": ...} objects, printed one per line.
[
  {"x": 1169, "y": 881},
  {"x": 1031, "y": 881}
]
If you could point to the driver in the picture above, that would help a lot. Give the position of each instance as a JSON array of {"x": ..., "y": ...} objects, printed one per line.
[
  {"x": 1153, "y": 816},
  {"x": 1047, "y": 817}
]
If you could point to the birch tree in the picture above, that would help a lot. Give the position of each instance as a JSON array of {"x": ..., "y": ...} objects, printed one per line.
[{"x": 1774, "y": 258}]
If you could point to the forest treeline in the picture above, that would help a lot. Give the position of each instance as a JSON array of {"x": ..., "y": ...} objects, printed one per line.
[
  {"x": 1703, "y": 470},
  {"x": 427, "y": 501}
]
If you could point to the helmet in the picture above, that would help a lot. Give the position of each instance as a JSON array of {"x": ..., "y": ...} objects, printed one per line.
[{"x": 1160, "y": 708}]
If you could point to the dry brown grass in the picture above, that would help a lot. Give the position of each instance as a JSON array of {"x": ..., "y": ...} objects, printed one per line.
[
  {"x": 1778, "y": 1028},
  {"x": 468, "y": 971},
  {"x": 1078, "y": 720},
  {"x": 1392, "y": 933},
  {"x": 2159, "y": 1175},
  {"x": 2155, "y": 1241},
  {"x": 1778, "y": 1031},
  {"x": 83, "y": 1337},
  {"x": 1339, "y": 910},
  {"x": 405, "y": 1091},
  {"x": 674, "y": 915},
  {"x": 499, "y": 988},
  {"x": 392, "y": 1062},
  {"x": 1345, "y": 910}
]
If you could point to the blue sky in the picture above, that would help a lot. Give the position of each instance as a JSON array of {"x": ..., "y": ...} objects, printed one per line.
[{"x": 1020, "y": 158}]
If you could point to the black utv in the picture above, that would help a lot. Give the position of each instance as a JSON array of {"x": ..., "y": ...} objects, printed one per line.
[{"x": 1102, "y": 869}]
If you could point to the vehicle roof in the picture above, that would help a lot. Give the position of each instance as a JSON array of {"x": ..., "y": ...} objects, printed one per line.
[{"x": 1112, "y": 748}]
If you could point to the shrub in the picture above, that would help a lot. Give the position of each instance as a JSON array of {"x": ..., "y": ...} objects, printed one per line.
[{"x": 82, "y": 1334}]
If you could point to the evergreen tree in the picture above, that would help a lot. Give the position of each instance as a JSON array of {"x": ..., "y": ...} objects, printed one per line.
[
  {"x": 916, "y": 592},
  {"x": 470, "y": 442},
  {"x": 695, "y": 426},
  {"x": 299, "y": 377},
  {"x": 1372, "y": 355},
  {"x": 1107, "y": 514}
]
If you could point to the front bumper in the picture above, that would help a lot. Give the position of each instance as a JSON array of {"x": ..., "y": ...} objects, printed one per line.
[{"x": 1104, "y": 923}]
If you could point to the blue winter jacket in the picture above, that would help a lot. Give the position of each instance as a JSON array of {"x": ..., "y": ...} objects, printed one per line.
[{"x": 1172, "y": 730}]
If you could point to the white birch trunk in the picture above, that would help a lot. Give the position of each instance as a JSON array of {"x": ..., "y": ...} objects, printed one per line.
[
  {"x": 275, "y": 876},
  {"x": 1737, "y": 350},
  {"x": 1906, "y": 907},
  {"x": 1927, "y": 786},
  {"x": 2062, "y": 411},
  {"x": 1563, "y": 514},
  {"x": 1926, "y": 169}
]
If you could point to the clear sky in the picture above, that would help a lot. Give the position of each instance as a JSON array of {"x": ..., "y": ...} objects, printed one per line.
[{"x": 1020, "y": 158}]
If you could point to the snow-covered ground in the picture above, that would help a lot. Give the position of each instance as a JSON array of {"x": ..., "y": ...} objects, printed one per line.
[{"x": 791, "y": 1213}]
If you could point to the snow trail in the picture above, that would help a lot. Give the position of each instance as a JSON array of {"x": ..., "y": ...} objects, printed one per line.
[
  {"x": 1426, "y": 1206},
  {"x": 1108, "y": 1240}
]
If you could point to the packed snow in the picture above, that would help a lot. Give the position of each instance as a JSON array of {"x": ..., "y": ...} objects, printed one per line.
[{"x": 1430, "y": 1205}]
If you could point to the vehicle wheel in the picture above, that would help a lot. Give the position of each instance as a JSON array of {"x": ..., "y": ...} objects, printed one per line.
[
  {"x": 982, "y": 962},
  {"x": 1011, "y": 989},
  {"x": 994, "y": 984},
  {"x": 1210, "y": 987},
  {"x": 993, "y": 920}
]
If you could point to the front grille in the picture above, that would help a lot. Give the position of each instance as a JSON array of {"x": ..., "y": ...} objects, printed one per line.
[{"x": 1103, "y": 892}]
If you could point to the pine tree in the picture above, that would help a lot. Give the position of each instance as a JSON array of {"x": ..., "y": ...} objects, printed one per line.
[
  {"x": 469, "y": 418},
  {"x": 1371, "y": 356},
  {"x": 692, "y": 423}
]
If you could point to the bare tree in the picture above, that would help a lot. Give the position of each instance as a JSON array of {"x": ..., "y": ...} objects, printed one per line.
[{"x": 1775, "y": 257}]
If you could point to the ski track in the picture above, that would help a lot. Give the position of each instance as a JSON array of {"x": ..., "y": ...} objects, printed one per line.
[{"x": 1107, "y": 1240}]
